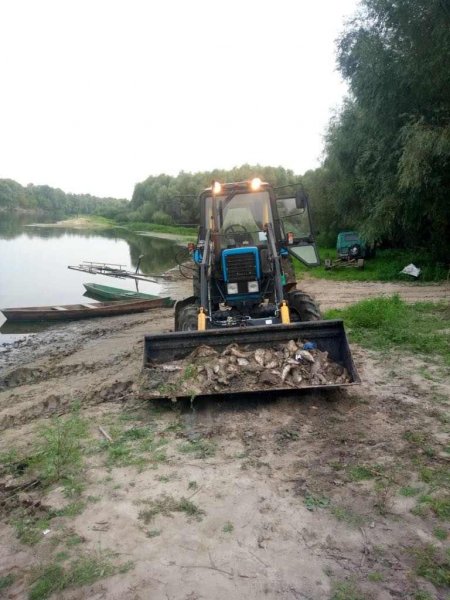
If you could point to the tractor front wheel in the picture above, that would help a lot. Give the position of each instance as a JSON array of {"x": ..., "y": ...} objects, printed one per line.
[
  {"x": 187, "y": 318},
  {"x": 302, "y": 307}
]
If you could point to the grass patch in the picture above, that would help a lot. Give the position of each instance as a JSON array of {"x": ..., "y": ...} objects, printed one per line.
[
  {"x": 439, "y": 506},
  {"x": 29, "y": 528},
  {"x": 440, "y": 534},
  {"x": 432, "y": 565},
  {"x": 347, "y": 590},
  {"x": 6, "y": 581},
  {"x": 361, "y": 473},
  {"x": 153, "y": 533},
  {"x": 166, "y": 505},
  {"x": 408, "y": 491},
  {"x": 348, "y": 516},
  {"x": 386, "y": 266},
  {"x": 59, "y": 453},
  {"x": 387, "y": 323},
  {"x": 136, "y": 446},
  {"x": 375, "y": 576},
  {"x": 228, "y": 527},
  {"x": 82, "y": 571},
  {"x": 313, "y": 502},
  {"x": 199, "y": 448}
]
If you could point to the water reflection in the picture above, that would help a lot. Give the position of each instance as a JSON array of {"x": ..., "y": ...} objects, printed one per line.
[{"x": 33, "y": 261}]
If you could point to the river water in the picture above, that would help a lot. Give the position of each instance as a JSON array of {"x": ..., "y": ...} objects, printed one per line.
[{"x": 34, "y": 261}]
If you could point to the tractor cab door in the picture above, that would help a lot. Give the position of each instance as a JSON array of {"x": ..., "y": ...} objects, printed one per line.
[{"x": 296, "y": 228}]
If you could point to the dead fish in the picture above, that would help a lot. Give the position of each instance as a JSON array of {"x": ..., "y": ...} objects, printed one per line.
[
  {"x": 170, "y": 367},
  {"x": 239, "y": 353},
  {"x": 203, "y": 350},
  {"x": 273, "y": 364},
  {"x": 315, "y": 368},
  {"x": 252, "y": 368},
  {"x": 296, "y": 376},
  {"x": 259, "y": 356},
  {"x": 268, "y": 378},
  {"x": 292, "y": 361},
  {"x": 304, "y": 355},
  {"x": 209, "y": 373},
  {"x": 285, "y": 372},
  {"x": 291, "y": 346},
  {"x": 234, "y": 350},
  {"x": 242, "y": 362}
]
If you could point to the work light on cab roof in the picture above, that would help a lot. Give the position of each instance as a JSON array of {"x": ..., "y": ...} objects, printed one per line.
[{"x": 255, "y": 184}]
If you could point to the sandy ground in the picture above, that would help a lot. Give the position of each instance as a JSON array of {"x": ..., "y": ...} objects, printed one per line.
[
  {"x": 339, "y": 294},
  {"x": 282, "y": 511},
  {"x": 75, "y": 223}
]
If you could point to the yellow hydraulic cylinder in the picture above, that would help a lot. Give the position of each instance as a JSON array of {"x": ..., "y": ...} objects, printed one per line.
[
  {"x": 201, "y": 320},
  {"x": 284, "y": 310}
]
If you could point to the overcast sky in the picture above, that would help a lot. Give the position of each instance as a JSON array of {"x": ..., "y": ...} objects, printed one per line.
[{"x": 97, "y": 95}]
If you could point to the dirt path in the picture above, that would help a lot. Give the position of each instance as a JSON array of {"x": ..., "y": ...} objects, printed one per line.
[
  {"x": 339, "y": 294},
  {"x": 309, "y": 496}
]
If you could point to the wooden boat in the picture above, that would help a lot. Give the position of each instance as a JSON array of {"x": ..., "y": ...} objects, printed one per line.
[
  {"x": 112, "y": 293},
  {"x": 80, "y": 311}
]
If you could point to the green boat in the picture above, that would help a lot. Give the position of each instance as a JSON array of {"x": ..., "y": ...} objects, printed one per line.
[{"x": 95, "y": 290}]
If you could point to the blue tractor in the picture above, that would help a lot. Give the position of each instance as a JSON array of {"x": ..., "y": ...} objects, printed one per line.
[
  {"x": 243, "y": 274},
  {"x": 244, "y": 288}
]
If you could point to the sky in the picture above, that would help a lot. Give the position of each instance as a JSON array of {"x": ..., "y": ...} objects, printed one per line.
[{"x": 97, "y": 95}]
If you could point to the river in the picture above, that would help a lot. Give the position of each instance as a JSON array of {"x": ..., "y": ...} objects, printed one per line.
[{"x": 34, "y": 261}]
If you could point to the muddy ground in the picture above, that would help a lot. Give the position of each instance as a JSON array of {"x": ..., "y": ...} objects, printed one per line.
[{"x": 336, "y": 495}]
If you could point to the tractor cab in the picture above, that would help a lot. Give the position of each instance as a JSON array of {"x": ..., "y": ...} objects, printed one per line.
[{"x": 243, "y": 254}]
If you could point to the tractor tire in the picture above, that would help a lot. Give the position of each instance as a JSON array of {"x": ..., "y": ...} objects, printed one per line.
[
  {"x": 302, "y": 307},
  {"x": 187, "y": 319}
]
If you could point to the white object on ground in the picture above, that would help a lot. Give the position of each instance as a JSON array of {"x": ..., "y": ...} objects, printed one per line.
[{"x": 411, "y": 270}]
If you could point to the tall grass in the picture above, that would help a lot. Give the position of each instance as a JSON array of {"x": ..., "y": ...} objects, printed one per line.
[
  {"x": 386, "y": 323},
  {"x": 386, "y": 266}
]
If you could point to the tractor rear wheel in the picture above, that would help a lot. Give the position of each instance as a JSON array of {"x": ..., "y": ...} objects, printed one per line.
[
  {"x": 187, "y": 318},
  {"x": 302, "y": 307}
]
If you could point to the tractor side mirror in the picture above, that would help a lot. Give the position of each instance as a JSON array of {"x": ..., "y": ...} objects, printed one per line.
[{"x": 301, "y": 199}]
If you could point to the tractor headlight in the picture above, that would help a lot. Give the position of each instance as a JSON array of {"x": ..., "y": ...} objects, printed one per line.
[
  {"x": 232, "y": 288},
  {"x": 255, "y": 184},
  {"x": 253, "y": 287}
]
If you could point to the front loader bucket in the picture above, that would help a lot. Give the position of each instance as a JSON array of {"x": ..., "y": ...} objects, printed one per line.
[{"x": 161, "y": 349}]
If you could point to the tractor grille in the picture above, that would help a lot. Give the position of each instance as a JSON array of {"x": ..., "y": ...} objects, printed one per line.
[{"x": 241, "y": 267}]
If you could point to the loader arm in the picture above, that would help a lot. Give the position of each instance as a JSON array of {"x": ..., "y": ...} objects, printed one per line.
[{"x": 276, "y": 261}]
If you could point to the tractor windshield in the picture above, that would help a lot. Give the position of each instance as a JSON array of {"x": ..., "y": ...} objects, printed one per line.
[{"x": 241, "y": 218}]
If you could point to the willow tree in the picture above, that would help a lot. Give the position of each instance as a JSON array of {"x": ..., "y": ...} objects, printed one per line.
[{"x": 390, "y": 147}]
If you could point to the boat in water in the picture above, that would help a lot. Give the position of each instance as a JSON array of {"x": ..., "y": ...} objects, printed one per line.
[
  {"x": 106, "y": 292},
  {"x": 69, "y": 312}
]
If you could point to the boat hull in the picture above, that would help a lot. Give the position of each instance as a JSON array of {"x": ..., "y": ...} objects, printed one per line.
[
  {"x": 105, "y": 292},
  {"x": 80, "y": 311}
]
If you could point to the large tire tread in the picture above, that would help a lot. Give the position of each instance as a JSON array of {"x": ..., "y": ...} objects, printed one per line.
[{"x": 303, "y": 307}]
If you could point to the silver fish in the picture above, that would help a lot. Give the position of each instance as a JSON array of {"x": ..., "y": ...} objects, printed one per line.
[
  {"x": 304, "y": 355},
  {"x": 259, "y": 356},
  {"x": 242, "y": 362}
]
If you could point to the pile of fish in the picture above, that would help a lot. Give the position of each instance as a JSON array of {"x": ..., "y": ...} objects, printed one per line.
[{"x": 241, "y": 368}]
